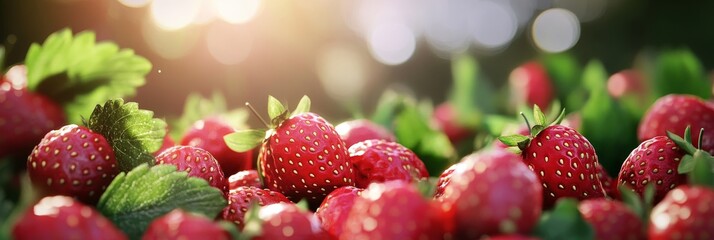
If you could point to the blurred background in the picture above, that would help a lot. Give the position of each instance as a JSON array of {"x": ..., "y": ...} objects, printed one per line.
[{"x": 345, "y": 53}]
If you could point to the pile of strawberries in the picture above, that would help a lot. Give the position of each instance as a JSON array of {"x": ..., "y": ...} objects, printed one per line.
[{"x": 304, "y": 178}]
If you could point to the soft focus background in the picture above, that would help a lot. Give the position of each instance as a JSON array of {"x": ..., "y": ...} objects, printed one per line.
[{"x": 343, "y": 54}]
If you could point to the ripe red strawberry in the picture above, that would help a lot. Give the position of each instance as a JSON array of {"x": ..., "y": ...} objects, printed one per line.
[
  {"x": 358, "y": 130},
  {"x": 334, "y": 210},
  {"x": 530, "y": 84},
  {"x": 445, "y": 178},
  {"x": 686, "y": 212},
  {"x": 563, "y": 159},
  {"x": 197, "y": 162},
  {"x": 25, "y": 117},
  {"x": 627, "y": 82},
  {"x": 287, "y": 221},
  {"x": 653, "y": 161},
  {"x": 674, "y": 113},
  {"x": 511, "y": 237},
  {"x": 239, "y": 201},
  {"x": 611, "y": 219},
  {"x": 493, "y": 193},
  {"x": 61, "y": 217},
  {"x": 393, "y": 210},
  {"x": 178, "y": 224},
  {"x": 73, "y": 161},
  {"x": 208, "y": 134},
  {"x": 379, "y": 161},
  {"x": 445, "y": 118},
  {"x": 245, "y": 178},
  {"x": 608, "y": 183}
]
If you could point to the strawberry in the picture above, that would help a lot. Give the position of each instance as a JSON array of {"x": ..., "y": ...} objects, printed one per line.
[
  {"x": 445, "y": 119},
  {"x": 563, "y": 159},
  {"x": 607, "y": 182},
  {"x": 179, "y": 224},
  {"x": 73, "y": 161},
  {"x": 674, "y": 113},
  {"x": 25, "y": 117},
  {"x": 358, "y": 130},
  {"x": 379, "y": 160},
  {"x": 197, "y": 162},
  {"x": 445, "y": 178},
  {"x": 61, "y": 217},
  {"x": 627, "y": 82},
  {"x": 493, "y": 193},
  {"x": 302, "y": 157},
  {"x": 510, "y": 237},
  {"x": 245, "y": 178},
  {"x": 530, "y": 84},
  {"x": 654, "y": 161},
  {"x": 611, "y": 219},
  {"x": 166, "y": 144},
  {"x": 393, "y": 210},
  {"x": 208, "y": 134},
  {"x": 686, "y": 212},
  {"x": 336, "y": 207},
  {"x": 239, "y": 200},
  {"x": 287, "y": 221}
]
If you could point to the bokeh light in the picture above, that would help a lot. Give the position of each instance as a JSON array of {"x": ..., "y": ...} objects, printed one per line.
[
  {"x": 134, "y": 3},
  {"x": 392, "y": 44},
  {"x": 343, "y": 71},
  {"x": 174, "y": 14},
  {"x": 168, "y": 44},
  {"x": 206, "y": 13},
  {"x": 444, "y": 24},
  {"x": 493, "y": 25},
  {"x": 556, "y": 30},
  {"x": 236, "y": 11},
  {"x": 229, "y": 44},
  {"x": 586, "y": 11}
]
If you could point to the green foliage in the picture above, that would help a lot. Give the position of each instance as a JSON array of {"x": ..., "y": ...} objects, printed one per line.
[
  {"x": 564, "y": 222},
  {"x": 198, "y": 108},
  {"x": 679, "y": 71},
  {"x": 471, "y": 95},
  {"x": 133, "y": 133},
  {"x": 13, "y": 210},
  {"x": 564, "y": 72},
  {"x": 388, "y": 105},
  {"x": 244, "y": 140},
  {"x": 135, "y": 199},
  {"x": 77, "y": 72}
]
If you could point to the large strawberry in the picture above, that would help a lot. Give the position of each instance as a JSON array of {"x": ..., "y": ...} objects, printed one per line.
[
  {"x": 686, "y": 212},
  {"x": 611, "y": 219},
  {"x": 530, "y": 84},
  {"x": 245, "y": 178},
  {"x": 61, "y": 217},
  {"x": 208, "y": 134},
  {"x": 354, "y": 131},
  {"x": 379, "y": 160},
  {"x": 563, "y": 159},
  {"x": 179, "y": 224},
  {"x": 674, "y": 113},
  {"x": 393, "y": 210},
  {"x": 334, "y": 210},
  {"x": 73, "y": 161},
  {"x": 239, "y": 200},
  {"x": 302, "y": 157},
  {"x": 197, "y": 162},
  {"x": 493, "y": 193}
]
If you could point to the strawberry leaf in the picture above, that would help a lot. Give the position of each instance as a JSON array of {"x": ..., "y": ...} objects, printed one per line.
[
  {"x": 275, "y": 108},
  {"x": 244, "y": 140},
  {"x": 433, "y": 147},
  {"x": 136, "y": 198},
  {"x": 77, "y": 72},
  {"x": 133, "y": 133},
  {"x": 471, "y": 95},
  {"x": 564, "y": 222},
  {"x": 564, "y": 72},
  {"x": 253, "y": 224},
  {"x": 198, "y": 108},
  {"x": 538, "y": 116},
  {"x": 303, "y": 106},
  {"x": 387, "y": 107},
  {"x": 632, "y": 200},
  {"x": 28, "y": 197},
  {"x": 513, "y": 140},
  {"x": 679, "y": 71},
  {"x": 703, "y": 169}
]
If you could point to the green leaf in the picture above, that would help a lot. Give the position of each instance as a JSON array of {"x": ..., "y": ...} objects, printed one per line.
[
  {"x": 77, "y": 72},
  {"x": 244, "y": 140},
  {"x": 471, "y": 95},
  {"x": 648, "y": 201},
  {"x": 632, "y": 200},
  {"x": 513, "y": 140},
  {"x": 387, "y": 107},
  {"x": 564, "y": 222},
  {"x": 436, "y": 151},
  {"x": 410, "y": 127},
  {"x": 684, "y": 144},
  {"x": 703, "y": 170},
  {"x": 198, "y": 108},
  {"x": 539, "y": 116},
  {"x": 413, "y": 131},
  {"x": 28, "y": 197},
  {"x": 133, "y": 133},
  {"x": 679, "y": 71},
  {"x": 559, "y": 118},
  {"x": 275, "y": 108},
  {"x": 303, "y": 106},
  {"x": 134, "y": 199},
  {"x": 686, "y": 165},
  {"x": 564, "y": 72}
]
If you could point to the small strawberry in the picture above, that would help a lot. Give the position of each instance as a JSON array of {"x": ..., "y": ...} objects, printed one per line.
[
  {"x": 245, "y": 178},
  {"x": 627, "y": 82},
  {"x": 563, "y": 159},
  {"x": 686, "y": 212},
  {"x": 197, "y": 162},
  {"x": 530, "y": 84},
  {"x": 208, "y": 134},
  {"x": 674, "y": 113},
  {"x": 179, "y": 224},
  {"x": 239, "y": 200},
  {"x": 287, "y": 221},
  {"x": 358, "y": 130},
  {"x": 73, "y": 161},
  {"x": 445, "y": 178},
  {"x": 611, "y": 219},
  {"x": 303, "y": 157},
  {"x": 493, "y": 193},
  {"x": 334, "y": 210},
  {"x": 654, "y": 161},
  {"x": 61, "y": 217},
  {"x": 393, "y": 210},
  {"x": 445, "y": 119},
  {"x": 608, "y": 183},
  {"x": 379, "y": 161}
]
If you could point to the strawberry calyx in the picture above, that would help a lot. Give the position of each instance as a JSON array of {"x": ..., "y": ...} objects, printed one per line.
[
  {"x": 540, "y": 119},
  {"x": 567, "y": 219},
  {"x": 642, "y": 206},
  {"x": 697, "y": 163},
  {"x": 253, "y": 223}
]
